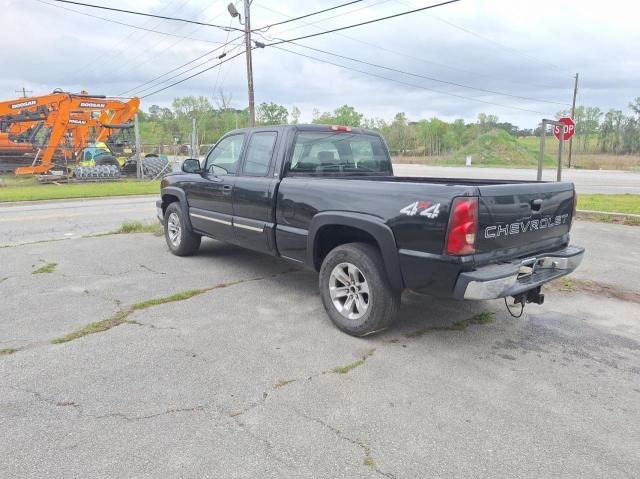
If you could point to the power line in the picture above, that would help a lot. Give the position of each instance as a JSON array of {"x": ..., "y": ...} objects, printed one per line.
[
  {"x": 267, "y": 27},
  {"x": 490, "y": 40},
  {"x": 409, "y": 84},
  {"x": 421, "y": 76},
  {"x": 195, "y": 74},
  {"x": 314, "y": 24},
  {"x": 187, "y": 70},
  {"x": 374, "y": 45},
  {"x": 125, "y": 24},
  {"x": 362, "y": 23},
  {"x": 184, "y": 64},
  {"x": 160, "y": 48},
  {"x": 430, "y": 78},
  {"x": 163, "y": 17}
]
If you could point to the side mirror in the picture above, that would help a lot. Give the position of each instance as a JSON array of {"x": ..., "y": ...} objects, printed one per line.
[{"x": 191, "y": 165}]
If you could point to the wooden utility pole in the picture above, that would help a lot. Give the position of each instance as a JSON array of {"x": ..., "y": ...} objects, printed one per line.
[
  {"x": 573, "y": 114},
  {"x": 139, "y": 165},
  {"x": 247, "y": 41},
  {"x": 24, "y": 92}
]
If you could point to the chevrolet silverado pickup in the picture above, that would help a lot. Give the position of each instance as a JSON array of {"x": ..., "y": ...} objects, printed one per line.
[{"x": 326, "y": 197}]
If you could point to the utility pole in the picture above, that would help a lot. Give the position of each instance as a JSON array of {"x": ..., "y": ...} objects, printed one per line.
[
  {"x": 24, "y": 92},
  {"x": 247, "y": 41},
  {"x": 573, "y": 114},
  {"x": 194, "y": 140},
  {"x": 139, "y": 165}
]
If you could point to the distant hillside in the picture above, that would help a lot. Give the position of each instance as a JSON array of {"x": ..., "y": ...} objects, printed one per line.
[{"x": 499, "y": 148}]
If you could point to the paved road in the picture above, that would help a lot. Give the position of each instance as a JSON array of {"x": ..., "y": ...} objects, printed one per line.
[
  {"x": 46, "y": 220},
  {"x": 238, "y": 381},
  {"x": 587, "y": 181}
]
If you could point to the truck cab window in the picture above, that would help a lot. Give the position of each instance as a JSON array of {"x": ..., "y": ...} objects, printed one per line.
[
  {"x": 224, "y": 159},
  {"x": 259, "y": 153},
  {"x": 330, "y": 153}
]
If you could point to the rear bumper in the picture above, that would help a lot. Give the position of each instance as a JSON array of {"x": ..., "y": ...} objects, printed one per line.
[{"x": 509, "y": 279}]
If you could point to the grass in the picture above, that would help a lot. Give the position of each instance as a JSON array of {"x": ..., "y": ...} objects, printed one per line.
[
  {"x": 626, "y": 203},
  {"x": 356, "y": 364},
  {"x": 96, "y": 327},
  {"x": 121, "y": 316},
  {"x": 169, "y": 299},
  {"x": 28, "y": 189},
  {"x": 369, "y": 461},
  {"x": 7, "y": 351},
  {"x": 129, "y": 227},
  {"x": 47, "y": 268},
  {"x": 283, "y": 382},
  {"x": 499, "y": 149}
]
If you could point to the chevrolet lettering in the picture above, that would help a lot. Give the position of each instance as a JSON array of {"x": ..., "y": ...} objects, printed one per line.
[{"x": 524, "y": 226}]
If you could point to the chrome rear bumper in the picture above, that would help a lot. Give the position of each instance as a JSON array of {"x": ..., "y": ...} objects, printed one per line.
[{"x": 510, "y": 279}]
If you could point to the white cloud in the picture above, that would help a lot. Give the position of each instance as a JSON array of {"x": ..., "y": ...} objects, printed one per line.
[{"x": 45, "y": 47}]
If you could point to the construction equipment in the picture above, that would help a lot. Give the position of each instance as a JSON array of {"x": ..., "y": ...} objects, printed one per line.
[{"x": 54, "y": 130}]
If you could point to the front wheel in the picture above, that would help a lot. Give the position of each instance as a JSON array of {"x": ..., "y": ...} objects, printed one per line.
[
  {"x": 180, "y": 239},
  {"x": 355, "y": 290}
]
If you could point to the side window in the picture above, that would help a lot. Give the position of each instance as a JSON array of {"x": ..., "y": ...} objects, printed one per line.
[
  {"x": 224, "y": 159},
  {"x": 259, "y": 153}
]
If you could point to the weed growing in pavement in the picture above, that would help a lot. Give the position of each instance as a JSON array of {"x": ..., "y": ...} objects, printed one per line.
[
  {"x": 283, "y": 382},
  {"x": 47, "y": 268},
  {"x": 480, "y": 318},
  {"x": 349, "y": 367}
]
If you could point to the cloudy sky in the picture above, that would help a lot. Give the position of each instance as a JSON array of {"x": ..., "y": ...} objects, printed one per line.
[{"x": 526, "y": 49}]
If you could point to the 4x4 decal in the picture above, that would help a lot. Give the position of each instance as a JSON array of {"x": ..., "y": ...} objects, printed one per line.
[{"x": 423, "y": 208}]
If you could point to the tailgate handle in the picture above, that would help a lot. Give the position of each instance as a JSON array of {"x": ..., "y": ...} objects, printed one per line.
[{"x": 536, "y": 205}]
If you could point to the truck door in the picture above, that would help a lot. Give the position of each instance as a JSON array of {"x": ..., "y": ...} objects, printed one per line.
[
  {"x": 211, "y": 198},
  {"x": 253, "y": 200}
]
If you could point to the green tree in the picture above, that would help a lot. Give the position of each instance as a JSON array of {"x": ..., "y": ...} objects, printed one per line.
[
  {"x": 344, "y": 115},
  {"x": 272, "y": 114}
]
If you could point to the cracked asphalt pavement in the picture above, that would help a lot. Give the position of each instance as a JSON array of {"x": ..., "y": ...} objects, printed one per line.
[{"x": 241, "y": 381}]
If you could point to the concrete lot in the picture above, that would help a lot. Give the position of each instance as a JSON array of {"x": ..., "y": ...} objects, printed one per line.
[{"x": 239, "y": 381}]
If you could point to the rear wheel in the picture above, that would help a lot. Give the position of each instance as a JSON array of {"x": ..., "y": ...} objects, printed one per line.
[
  {"x": 180, "y": 239},
  {"x": 355, "y": 290}
]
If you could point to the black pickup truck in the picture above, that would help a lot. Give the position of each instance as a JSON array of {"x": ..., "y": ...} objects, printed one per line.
[{"x": 325, "y": 196}]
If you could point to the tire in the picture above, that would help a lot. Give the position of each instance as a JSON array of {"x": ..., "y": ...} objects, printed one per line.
[
  {"x": 180, "y": 239},
  {"x": 362, "y": 269}
]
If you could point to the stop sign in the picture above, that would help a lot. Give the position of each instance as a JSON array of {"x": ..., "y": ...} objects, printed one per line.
[{"x": 569, "y": 128}]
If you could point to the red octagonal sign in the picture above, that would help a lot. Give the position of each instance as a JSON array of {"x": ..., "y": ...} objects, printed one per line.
[{"x": 569, "y": 128}]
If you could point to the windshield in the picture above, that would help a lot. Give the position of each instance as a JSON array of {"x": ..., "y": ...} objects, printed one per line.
[{"x": 335, "y": 153}]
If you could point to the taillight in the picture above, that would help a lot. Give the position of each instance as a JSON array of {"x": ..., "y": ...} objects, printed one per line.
[
  {"x": 340, "y": 128},
  {"x": 463, "y": 225},
  {"x": 575, "y": 208}
]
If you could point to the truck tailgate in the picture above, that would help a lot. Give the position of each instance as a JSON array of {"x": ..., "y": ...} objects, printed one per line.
[{"x": 520, "y": 218}]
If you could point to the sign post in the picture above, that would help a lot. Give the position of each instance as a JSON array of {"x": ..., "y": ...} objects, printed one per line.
[{"x": 568, "y": 127}]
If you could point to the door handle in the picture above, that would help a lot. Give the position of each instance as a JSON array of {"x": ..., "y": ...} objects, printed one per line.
[{"x": 226, "y": 189}]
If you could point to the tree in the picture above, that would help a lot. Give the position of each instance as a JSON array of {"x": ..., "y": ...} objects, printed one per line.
[
  {"x": 344, "y": 115},
  {"x": 272, "y": 114}
]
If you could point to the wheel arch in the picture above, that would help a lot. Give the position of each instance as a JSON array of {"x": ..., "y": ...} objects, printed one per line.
[
  {"x": 172, "y": 194},
  {"x": 331, "y": 229}
]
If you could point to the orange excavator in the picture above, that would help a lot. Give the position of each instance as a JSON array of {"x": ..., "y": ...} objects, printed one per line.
[{"x": 55, "y": 128}]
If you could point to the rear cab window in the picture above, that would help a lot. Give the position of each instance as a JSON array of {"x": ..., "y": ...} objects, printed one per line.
[{"x": 330, "y": 153}]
